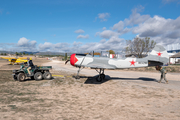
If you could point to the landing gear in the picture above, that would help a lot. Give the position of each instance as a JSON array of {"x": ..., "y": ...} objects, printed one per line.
[
  {"x": 77, "y": 76},
  {"x": 99, "y": 78},
  {"x": 101, "y": 75}
]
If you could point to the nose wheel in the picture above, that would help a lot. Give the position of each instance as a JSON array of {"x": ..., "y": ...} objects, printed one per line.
[{"x": 101, "y": 75}]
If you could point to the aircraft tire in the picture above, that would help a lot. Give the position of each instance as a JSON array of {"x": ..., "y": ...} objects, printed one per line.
[
  {"x": 103, "y": 76},
  {"x": 21, "y": 77},
  {"x": 47, "y": 76},
  {"x": 77, "y": 77},
  {"x": 38, "y": 76},
  {"x": 99, "y": 78}
]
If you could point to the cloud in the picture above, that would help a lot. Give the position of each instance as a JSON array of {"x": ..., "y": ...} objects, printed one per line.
[
  {"x": 103, "y": 40},
  {"x": 173, "y": 34},
  {"x": 107, "y": 34},
  {"x": 158, "y": 26},
  {"x": 83, "y": 36},
  {"x": 136, "y": 18},
  {"x": 113, "y": 43},
  {"x": 45, "y": 46},
  {"x": 103, "y": 16},
  {"x": 165, "y": 41},
  {"x": 24, "y": 42},
  {"x": 58, "y": 47},
  {"x": 79, "y": 31},
  {"x": 104, "y": 28},
  {"x": 118, "y": 26},
  {"x": 77, "y": 44}
]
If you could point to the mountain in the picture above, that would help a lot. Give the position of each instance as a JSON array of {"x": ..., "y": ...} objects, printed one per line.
[{"x": 37, "y": 53}]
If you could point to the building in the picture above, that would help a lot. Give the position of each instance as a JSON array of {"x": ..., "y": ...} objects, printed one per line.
[{"x": 173, "y": 48}]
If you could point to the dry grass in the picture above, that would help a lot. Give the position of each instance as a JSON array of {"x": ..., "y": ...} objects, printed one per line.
[
  {"x": 152, "y": 69},
  {"x": 66, "y": 98}
]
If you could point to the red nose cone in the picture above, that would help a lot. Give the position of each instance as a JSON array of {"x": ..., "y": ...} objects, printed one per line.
[{"x": 73, "y": 59}]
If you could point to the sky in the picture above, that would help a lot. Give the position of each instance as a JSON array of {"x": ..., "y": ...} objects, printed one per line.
[{"x": 86, "y": 25}]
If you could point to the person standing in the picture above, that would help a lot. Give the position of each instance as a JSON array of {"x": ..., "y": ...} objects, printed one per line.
[{"x": 163, "y": 73}]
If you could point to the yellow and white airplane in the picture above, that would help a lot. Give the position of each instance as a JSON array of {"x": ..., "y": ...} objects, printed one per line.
[{"x": 13, "y": 60}]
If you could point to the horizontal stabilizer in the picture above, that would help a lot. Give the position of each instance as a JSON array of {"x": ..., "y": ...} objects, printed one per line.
[{"x": 154, "y": 63}]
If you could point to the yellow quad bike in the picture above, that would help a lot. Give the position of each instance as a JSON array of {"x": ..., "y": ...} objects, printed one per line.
[{"x": 37, "y": 73}]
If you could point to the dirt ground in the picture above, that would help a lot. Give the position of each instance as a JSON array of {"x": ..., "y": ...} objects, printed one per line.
[{"x": 122, "y": 95}]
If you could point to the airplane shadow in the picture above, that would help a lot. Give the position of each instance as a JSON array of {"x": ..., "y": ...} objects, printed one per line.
[{"x": 92, "y": 80}]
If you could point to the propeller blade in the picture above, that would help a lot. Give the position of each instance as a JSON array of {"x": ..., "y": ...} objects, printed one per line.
[{"x": 67, "y": 61}]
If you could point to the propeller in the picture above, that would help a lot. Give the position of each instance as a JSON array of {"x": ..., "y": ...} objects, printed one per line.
[{"x": 67, "y": 61}]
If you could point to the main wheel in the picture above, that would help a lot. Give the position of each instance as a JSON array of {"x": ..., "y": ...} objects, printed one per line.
[
  {"x": 103, "y": 76},
  {"x": 99, "y": 78},
  {"x": 47, "y": 76},
  {"x": 21, "y": 77},
  {"x": 38, "y": 76}
]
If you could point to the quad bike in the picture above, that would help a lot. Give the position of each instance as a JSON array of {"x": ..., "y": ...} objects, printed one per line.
[{"x": 37, "y": 73}]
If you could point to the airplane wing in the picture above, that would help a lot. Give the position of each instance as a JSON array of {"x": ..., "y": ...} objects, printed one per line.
[
  {"x": 21, "y": 60},
  {"x": 9, "y": 58},
  {"x": 24, "y": 58},
  {"x": 98, "y": 66}
]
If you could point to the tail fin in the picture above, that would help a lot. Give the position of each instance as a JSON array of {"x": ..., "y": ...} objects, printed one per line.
[{"x": 158, "y": 54}]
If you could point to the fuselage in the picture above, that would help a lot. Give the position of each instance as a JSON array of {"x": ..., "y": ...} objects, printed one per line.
[
  {"x": 17, "y": 60},
  {"x": 107, "y": 63}
]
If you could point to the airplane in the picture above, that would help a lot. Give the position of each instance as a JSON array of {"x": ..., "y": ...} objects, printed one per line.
[
  {"x": 13, "y": 60},
  {"x": 158, "y": 56}
]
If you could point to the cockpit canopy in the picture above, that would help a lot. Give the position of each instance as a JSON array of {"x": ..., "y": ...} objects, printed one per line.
[{"x": 106, "y": 54}]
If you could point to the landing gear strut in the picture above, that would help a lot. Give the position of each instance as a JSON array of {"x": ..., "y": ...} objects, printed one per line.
[
  {"x": 101, "y": 75},
  {"x": 77, "y": 76}
]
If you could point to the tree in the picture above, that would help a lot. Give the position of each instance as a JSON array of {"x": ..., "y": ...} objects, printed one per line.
[
  {"x": 24, "y": 53},
  {"x": 65, "y": 57},
  {"x": 139, "y": 46},
  {"x": 5, "y": 54},
  {"x": 111, "y": 52},
  {"x": 17, "y": 53},
  {"x": 97, "y": 53}
]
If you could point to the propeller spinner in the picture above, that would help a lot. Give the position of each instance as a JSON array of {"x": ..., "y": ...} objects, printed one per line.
[{"x": 72, "y": 60}]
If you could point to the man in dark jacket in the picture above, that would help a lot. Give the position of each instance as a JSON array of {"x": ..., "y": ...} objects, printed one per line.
[
  {"x": 163, "y": 73},
  {"x": 30, "y": 65}
]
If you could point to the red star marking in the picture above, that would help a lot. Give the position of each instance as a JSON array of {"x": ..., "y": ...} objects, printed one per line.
[
  {"x": 159, "y": 54},
  {"x": 132, "y": 62}
]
